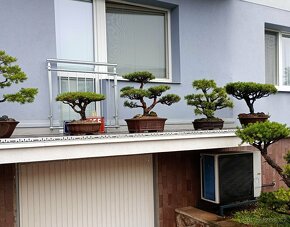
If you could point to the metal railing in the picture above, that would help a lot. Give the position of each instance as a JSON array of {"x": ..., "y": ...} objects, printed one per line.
[{"x": 99, "y": 72}]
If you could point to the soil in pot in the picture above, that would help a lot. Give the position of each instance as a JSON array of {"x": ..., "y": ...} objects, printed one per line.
[
  {"x": 83, "y": 127},
  {"x": 145, "y": 124},
  {"x": 208, "y": 123},
  {"x": 246, "y": 119}
]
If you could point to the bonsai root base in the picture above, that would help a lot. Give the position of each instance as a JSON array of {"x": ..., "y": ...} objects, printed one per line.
[
  {"x": 148, "y": 124},
  {"x": 7, "y": 128}
]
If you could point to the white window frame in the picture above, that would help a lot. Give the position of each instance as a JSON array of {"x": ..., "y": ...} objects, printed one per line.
[
  {"x": 280, "y": 86},
  {"x": 100, "y": 38}
]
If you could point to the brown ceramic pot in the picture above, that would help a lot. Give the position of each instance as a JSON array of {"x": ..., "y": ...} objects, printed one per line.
[
  {"x": 208, "y": 125},
  {"x": 7, "y": 128},
  {"x": 246, "y": 119},
  {"x": 83, "y": 127},
  {"x": 146, "y": 124}
]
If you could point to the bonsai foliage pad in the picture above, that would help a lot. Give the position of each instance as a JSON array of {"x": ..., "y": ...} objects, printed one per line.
[{"x": 146, "y": 124}]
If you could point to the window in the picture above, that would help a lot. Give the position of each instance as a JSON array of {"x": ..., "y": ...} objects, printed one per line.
[
  {"x": 277, "y": 59},
  {"x": 137, "y": 39}
]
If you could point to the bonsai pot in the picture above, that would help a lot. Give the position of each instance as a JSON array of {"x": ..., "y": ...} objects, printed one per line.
[
  {"x": 246, "y": 119},
  {"x": 7, "y": 128},
  {"x": 208, "y": 124},
  {"x": 146, "y": 124},
  {"x": 83, "y": 127}
]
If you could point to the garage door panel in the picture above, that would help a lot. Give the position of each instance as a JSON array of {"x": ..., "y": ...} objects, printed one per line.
[{"x": 105, "y": 192}]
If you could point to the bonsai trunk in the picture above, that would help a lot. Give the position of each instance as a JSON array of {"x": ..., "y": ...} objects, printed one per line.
[
  {"x": 274, "y": 165},
  {"x": 83, "y": 115},
  {"x": 250, "y": 105}
]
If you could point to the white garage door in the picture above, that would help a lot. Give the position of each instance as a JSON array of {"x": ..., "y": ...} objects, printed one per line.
[{"x": 103, "y": 192}]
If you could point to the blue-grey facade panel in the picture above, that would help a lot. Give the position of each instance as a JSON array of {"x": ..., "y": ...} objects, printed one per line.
[{"x": 214, "y": 39}]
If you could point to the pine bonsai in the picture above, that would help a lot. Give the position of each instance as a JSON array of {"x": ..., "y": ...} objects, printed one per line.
[
  {"x": 210, "y": 99},
  {"x": 12, "y": 74},
  {"x": 153, "y": 93},
  {"x": 261, "y": 135},
  {"x": 250, "y": 92},
  {"x": 79, "y": 101}
]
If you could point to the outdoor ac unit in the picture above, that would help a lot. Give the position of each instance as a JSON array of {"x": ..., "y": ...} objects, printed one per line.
[{"x": 230, "y": 177}]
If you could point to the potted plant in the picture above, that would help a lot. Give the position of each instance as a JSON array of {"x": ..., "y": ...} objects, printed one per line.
[
  {"x": 12, "y": 74},
  {"x": 210, "y": 99},
  {"x": 148, "y": 120},
  {"x": 250, "y": 92},
  {"x": 79, "y": 101}
]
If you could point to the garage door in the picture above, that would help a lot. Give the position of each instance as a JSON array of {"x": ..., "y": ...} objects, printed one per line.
[{"x": 104, "y": 192}]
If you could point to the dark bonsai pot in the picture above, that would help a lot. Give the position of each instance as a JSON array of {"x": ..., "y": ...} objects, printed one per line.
[
  {"x": 7, "y": 128},
  {"x": 246, "y": 119},
  {"x": 83, "y": 127},
  {"x": 208, "y": 124},
  {"x": 146, "y": 124}
]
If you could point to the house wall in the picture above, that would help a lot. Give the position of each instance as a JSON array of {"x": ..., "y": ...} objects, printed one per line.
[
  {"x": 214, "y": 39},
  {"x": 7, "y": 195}
]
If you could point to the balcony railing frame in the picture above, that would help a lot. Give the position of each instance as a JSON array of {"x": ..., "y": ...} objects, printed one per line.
[{"x": 100, "y": 72}]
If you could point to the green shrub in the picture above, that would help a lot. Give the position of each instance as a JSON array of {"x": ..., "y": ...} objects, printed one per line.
[
  {"x": 262, "y": 217},
  {"x": 79, "y": 101},
  {"x": 153, "y": 93},
  {"x": 278, "y": 200},
  {"x": 210, "y": 99},
  {"x": 250, "y": 92}
]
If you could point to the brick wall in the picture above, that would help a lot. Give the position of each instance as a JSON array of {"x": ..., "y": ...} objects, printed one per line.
[
  {"x": 7, "y": 192},
  {"x": 178, "y": 184}
]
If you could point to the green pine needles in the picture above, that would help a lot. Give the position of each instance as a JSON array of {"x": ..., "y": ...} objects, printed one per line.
[
  {"x": 210, "y": 99},
  {"x": 12, "y": 74},
  {"x": 261, "y": 135},
  {"x": 137, "y": 96},
  {"x": 250, "y": 92},
  {"x": 79, "y": 101}
]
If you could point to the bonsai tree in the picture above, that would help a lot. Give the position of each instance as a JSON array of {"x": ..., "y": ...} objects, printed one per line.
[
  {"x": 79, "y": 101},
  {"x": 137, "y": 96},
  {"x": 210, "y": 99},
  {"x": 12, "y": 74},
  {"x": 263, "y": 134},
  {"x": 250, "y": 92}
]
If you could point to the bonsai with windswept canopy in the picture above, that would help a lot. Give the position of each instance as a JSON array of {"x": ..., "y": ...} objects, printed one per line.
[
  {"x": 154, "y": 93},
  {"x": 211, "y": 99},
  {"x": 263, "y": 134},
  {"x": 12, "y": 74},
  {"x": 79, "y": 101},
  {"x": 250, "y": 92}
]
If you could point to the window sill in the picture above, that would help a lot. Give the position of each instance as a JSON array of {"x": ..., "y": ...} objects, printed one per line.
[
  {"x": 163, "y": 81},
  {"x": 283, "y": 88}
]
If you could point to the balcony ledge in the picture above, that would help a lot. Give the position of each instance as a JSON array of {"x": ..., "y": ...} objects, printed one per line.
[{"x": 48, "y": 148}]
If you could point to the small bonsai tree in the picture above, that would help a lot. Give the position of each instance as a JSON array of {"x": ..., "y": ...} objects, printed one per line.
[
  {"x": 12, "y": 74},
  {"x": 250, "y": 92},
  {"x": 79, "y": 101},
  {"x": 210, "y": 99},
  {"x": 261, "y": 135},
  {"x": 153, "y": 93}
]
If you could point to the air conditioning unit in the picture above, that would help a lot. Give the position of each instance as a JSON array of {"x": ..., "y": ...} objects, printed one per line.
[{"x": 230, "y": 177}]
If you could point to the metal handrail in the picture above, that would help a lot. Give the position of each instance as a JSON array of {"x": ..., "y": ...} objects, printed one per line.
[{"x": 110, "y": 76}]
